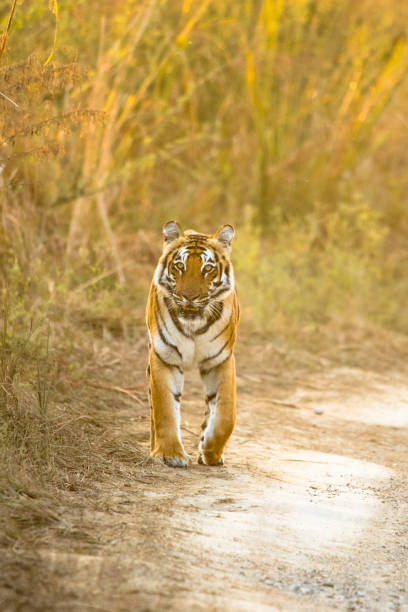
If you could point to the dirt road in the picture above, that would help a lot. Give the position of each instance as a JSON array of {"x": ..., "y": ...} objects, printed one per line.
[{"x": 310, "y": 511}]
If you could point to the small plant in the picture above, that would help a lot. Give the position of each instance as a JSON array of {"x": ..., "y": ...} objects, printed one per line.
[
  {"x": 43, "y": 382},
  {"x": 12, "y": 352}
]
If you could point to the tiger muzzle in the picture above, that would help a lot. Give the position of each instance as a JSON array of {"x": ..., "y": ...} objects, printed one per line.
[
  {"x": 190, "y": 312},
  {"x": 190, "y": 307}
]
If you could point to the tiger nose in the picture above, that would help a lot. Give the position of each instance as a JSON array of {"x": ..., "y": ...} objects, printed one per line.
[{"x": 190, "y": 296}]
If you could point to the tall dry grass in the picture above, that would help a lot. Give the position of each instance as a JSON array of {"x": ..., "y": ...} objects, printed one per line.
[{"x": 199, "y": 110}]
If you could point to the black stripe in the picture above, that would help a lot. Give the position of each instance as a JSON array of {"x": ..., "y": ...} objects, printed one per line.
[
  {"x": 159, "y": 314},
  {"x": 164, "y": 339},
  {"x": 223, "y": 329},
  {"x": 204, "y": 372},
  {"x": 210, "y": 397},
  {"x": 220, "y": 351},
  {"x": 224, "y": 260},
  {"x": 196, "y": 250},
  {"x": 199, "y": 237},
  {"x": 195, "y": 245},
  {"x": 222, "y": 290},
  {"x": 166, "y": 259},
  {"x": 169, "y": 365},
  {"x": 214, "y": 316},
  {"x": 177, "y": 396},
  {"x": 174, "y": 318},
  {"x": 170, "y": 254}
]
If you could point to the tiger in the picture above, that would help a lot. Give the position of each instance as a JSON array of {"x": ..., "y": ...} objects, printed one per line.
[{"x": 192, "y": 317}]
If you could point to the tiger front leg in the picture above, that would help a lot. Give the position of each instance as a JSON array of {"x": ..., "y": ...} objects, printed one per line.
[
  {"x": 220, "y": 416},
  {"x": 166, "y": 385}
]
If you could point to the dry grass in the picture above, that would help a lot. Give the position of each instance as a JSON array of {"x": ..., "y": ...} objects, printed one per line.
[
  {"x": 53, "y": 463},
  {"x": 285, "y": 118}
]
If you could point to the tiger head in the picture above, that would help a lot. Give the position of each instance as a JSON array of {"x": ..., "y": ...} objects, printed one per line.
[{"x": 195, "y": 270}]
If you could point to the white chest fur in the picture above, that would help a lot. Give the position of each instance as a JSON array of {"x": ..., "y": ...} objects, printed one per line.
[{"x": 178, "y": 344}]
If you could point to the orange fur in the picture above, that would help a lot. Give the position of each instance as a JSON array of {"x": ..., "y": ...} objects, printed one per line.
[{"x": 192, "y": 316}]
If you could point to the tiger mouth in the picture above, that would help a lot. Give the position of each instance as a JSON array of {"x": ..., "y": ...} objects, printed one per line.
[{"x": 190, "y": 312}]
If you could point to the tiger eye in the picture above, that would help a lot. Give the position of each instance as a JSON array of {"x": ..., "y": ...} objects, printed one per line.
[
  {"x": 179, "y": 265},
  {"x": 208, "y": 268}
]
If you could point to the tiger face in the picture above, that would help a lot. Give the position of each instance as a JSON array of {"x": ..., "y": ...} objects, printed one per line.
[{"x": 194, "y": 270}]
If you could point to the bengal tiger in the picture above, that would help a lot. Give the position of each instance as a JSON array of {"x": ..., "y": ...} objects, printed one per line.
[{"x": 192, "y": 317}]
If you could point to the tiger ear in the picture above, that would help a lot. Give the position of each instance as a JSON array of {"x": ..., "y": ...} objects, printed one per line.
[
  {"x": 172, "y": 231},
  {"x": 225, "y": 234}
]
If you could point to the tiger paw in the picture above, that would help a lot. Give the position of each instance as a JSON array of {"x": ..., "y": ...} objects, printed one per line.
[
  {"x": 210, "y": 459},
  {"x": 171, "y": 456}
]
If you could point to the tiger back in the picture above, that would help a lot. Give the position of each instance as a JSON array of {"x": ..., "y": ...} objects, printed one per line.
[{"x": 192, "y": 318}]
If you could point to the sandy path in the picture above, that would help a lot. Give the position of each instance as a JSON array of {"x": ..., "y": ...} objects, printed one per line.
[{"x": 310, "y": 511}]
